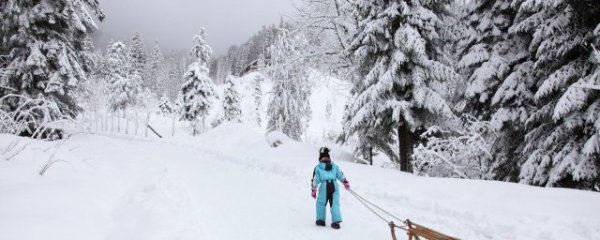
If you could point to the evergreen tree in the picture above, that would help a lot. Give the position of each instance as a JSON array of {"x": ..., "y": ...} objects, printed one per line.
[
  {"x": 561, "y": 145},
  {"x": 488, "y": 54},
  {"x": 123, "y": 87},
  {"x": 197, "y": 88},
  {"x": 156, "y": 72},
  {"x": 288, "y": 109},
  {"x": 137, "y": 54},
  {"x": 165, "y": 105},
  {"x": 138, "y": 60},
  {"x": 43, "y": 49},
  {"x": 496, "y": 65},
  {"x": 405, "y": 70},
  {"x": 231, "y": 102},
  {"x": 258, "y": 95}
]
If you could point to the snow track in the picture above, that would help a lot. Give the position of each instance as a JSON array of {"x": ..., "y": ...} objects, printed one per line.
[{"x": 229, "y": 184}]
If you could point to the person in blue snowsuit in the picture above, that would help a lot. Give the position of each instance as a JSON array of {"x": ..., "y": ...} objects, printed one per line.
[{"x": 324, "y": 180}]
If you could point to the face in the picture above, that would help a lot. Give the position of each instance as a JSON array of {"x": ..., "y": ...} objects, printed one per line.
[{"x": 325, "y": 159}]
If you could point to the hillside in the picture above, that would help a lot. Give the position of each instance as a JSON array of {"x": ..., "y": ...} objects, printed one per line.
[{"x": 229, "y": 184}]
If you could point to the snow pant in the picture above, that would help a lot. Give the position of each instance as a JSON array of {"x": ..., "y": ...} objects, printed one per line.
[{"x": 328, "y": 193}]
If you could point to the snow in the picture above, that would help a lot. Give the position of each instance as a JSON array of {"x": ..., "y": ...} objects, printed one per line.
[{"x": 228, "y": 183}]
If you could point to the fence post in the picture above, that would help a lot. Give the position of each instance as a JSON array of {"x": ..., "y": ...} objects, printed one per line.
[{"x": 393, "y": 230}]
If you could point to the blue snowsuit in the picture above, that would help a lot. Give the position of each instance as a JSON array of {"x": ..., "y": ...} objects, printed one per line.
[{"x": 328, "y": 190}]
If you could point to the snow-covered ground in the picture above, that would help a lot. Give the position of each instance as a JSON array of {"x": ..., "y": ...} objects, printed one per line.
[{"x": 229, "y": 183}]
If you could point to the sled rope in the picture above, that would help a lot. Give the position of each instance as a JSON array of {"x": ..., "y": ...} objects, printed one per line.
[
  {"x": 370, "y": 205},
  {"x": 413, "y": 230}
]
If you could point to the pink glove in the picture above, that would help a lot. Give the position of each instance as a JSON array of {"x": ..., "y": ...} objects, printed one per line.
[
  {"x": 347, "y": 185},
  {"x": 313, "y": 192}
]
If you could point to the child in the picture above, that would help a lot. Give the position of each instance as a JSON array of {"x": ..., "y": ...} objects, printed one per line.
[{"x": 325, "y": 174}]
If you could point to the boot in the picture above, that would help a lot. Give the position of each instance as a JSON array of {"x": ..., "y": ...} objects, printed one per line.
[
  {"x": 336, "y": 225},
  {"x": 321, "y": 223}
]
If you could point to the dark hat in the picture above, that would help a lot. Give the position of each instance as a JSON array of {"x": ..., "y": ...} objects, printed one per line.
[{"x": 324, "y": 152}]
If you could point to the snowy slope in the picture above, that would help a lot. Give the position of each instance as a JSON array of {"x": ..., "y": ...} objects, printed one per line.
[{"x": 229, "y": 184}]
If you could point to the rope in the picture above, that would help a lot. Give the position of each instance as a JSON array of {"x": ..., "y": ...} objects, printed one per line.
[
  {"x": 407, "y": 223},
  {"x": 370, "y": 205},
  {"x": 367, "y": 206}
]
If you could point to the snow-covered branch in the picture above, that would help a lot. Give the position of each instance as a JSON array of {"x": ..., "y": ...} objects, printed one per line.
[{"x": 464, "y": 153}]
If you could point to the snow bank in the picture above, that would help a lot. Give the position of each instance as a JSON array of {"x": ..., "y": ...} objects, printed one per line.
[{"x": 277, "y": 138}]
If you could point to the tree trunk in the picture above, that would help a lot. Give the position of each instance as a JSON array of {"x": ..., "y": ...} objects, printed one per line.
[
  {"x": 406, "y": 141},
  {"x": 126, "y": 121},
  {"x": 370, "y": 156}
]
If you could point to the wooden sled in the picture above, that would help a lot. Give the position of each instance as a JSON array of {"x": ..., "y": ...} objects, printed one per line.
[{"x": 418, "y": 232}]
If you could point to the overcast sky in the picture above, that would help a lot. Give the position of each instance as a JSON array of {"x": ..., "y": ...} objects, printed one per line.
[{"x": 174, "y": 22}]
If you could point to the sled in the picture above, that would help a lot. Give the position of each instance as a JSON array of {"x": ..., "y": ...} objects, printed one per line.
[{"x": 418, "y": 232}]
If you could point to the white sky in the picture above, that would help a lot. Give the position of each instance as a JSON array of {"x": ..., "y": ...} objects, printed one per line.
[{"x": 174, "y": 22}]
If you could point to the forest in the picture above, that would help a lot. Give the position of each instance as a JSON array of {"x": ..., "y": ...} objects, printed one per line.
[{"x": 504, "y": 90}]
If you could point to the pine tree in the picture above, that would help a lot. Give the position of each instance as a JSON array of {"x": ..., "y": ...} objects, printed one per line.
[
  {"x": 231, "y": 102},
  {"x": 496, "y": 65},
  {"x": 288, "y": 109},
  {"x": 404, "y": 71},
  {"x": 561, "y": 144},
  {"x": 197, "y": 88},
  {"x": 488, "y": 54},
  {"x": 156, "y": 71},
  {"x": 258, "y": 96},
  {"x": 43, "y": 49},
  {"x": 138, "y": 61},
  {"x": 165, "y": 105},
  {"x": 123, "y": 86},
  {"x": 137, "y": 54}
]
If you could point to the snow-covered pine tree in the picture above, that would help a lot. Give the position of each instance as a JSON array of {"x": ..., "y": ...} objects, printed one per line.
[
  {"x": 258, "y": 96},
  {"x": 232, "y": 110},
  {"x": 197, "y": 88},
  {"x": 43, "y": 49},
  {"x": 403, "y": 69},
  {"x": 138, "y": 56},
  {"x": 561, "y": 146},
  {"x": 487, "y": 52},
  {"x": 138, "y": 60},
  {"x": 155, "y": 70},
  {"x": 288, "y": 109},
  {"x": 496, "y": 65},
  {"x": 165, "y": 105},
  {"x": 124, "y": 88}
]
